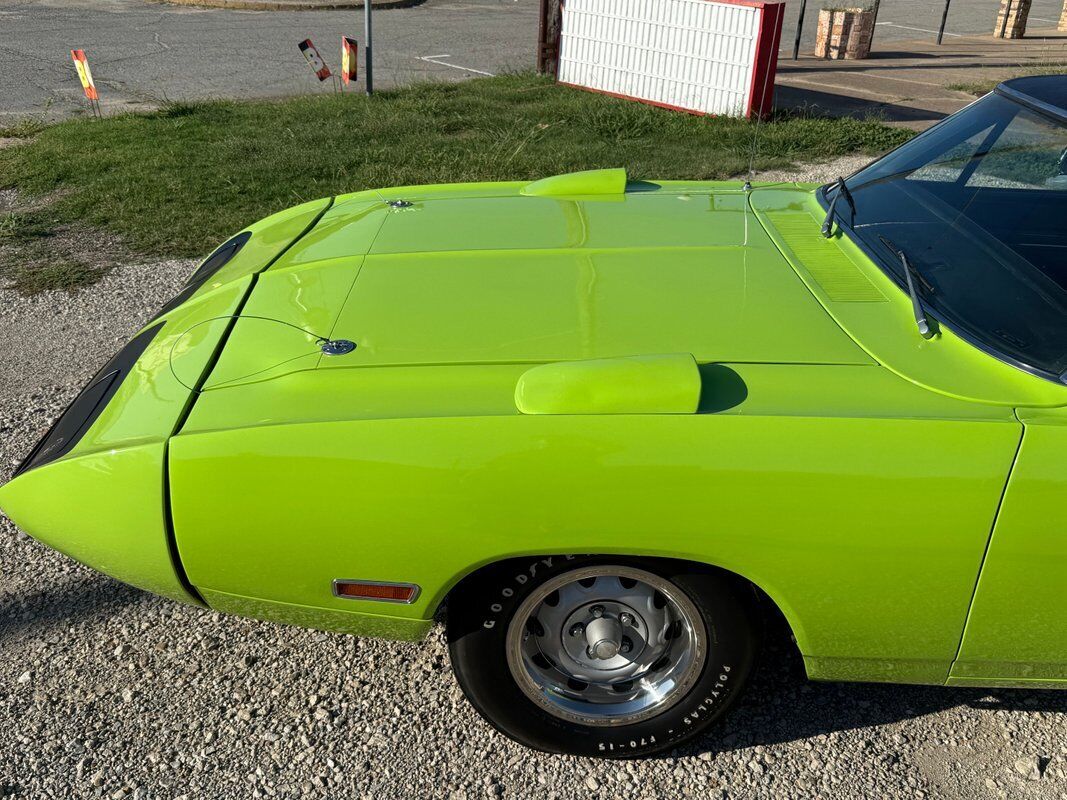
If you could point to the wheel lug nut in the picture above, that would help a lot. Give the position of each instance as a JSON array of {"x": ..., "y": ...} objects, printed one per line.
[
  {"x": 597, "y": 611},
  {"x": 577, "y": 629},
  {"x": 626, "y": 619},
  {"x": 626, "y": 645}
]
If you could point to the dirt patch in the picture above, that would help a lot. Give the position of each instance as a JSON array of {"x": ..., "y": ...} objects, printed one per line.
[{"x": 39, "y": 252}]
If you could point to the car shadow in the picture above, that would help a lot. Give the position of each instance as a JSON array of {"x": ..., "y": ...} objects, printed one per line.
[
  {"x": 781, "y": 705},
  {"x": 63, "y": 604}
]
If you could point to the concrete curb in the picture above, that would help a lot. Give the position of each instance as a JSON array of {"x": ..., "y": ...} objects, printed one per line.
[{"x": 293, "y": 5}]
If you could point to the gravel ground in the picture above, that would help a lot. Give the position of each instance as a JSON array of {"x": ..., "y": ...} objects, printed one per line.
[
  {"x": 106, "y": 691},
  {"x": 817, "y": 173}
]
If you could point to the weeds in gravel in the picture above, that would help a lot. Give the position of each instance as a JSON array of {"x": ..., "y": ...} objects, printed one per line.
[
  {"x": 176, "y": 181},
  {"x": 25, "y": 128},
  {"x": 38, "y": 251},
  {"x": 17, "y": 227},
  {"x": 985, "y": 85},
  {"x": 34, "y": 278},
  {"x": 9, "y": 226}
]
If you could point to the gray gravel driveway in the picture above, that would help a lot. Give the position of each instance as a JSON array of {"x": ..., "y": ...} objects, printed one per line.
[{"x": 106, "y": 691}]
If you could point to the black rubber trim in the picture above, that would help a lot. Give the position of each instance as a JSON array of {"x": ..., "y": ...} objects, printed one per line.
[
  {"x": 233, "y": 321},
  {"x": 168, "y": 513},
  {"x": 79, "y": 416},
  {"x": 212, "y": 264},
  {"x": 172, "y": 539},
  {"x": 1042, "y": 107}
]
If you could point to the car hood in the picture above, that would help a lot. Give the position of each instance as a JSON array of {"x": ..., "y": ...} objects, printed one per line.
[{"x": 491, "y": 274}]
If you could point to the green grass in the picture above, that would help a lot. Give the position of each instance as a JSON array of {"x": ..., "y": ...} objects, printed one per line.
[
  {"x": 55, "y": 274},
  {"x": 177, "y": 181},
  {"x": 986, "y": 85},
  {"x": 18, "y": 228},
  {"x": 23, "y": 129}
]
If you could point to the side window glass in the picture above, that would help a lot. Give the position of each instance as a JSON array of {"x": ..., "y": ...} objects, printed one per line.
[
  {"x": 947, "y": 167},
  {"x": 1029, "y": 154}
]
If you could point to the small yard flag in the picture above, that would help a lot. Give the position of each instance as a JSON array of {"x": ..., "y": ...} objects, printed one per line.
[
  {"x": 314, "y": 59},
  {"x": 82, "y": 65},
  {"x": 349, "y": 62}
]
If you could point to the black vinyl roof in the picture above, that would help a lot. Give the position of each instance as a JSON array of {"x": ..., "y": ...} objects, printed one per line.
[{"x": 1049, "y": 91}]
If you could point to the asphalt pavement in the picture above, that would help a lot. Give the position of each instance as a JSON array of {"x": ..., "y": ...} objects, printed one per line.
[
  {"x": 902, "y": 20},
  {"x": 142, "y": 53}
]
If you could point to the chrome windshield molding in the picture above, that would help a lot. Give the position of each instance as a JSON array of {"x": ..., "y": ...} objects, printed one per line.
[{"x": 1054, "y": 112}]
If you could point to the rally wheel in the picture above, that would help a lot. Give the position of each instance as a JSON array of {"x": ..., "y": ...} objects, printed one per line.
[{"x": 601, "y": 657}]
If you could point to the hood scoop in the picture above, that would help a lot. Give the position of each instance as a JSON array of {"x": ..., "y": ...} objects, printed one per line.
[
  {"x": 652, "y": 384},
  {"x": 579, "y": 184}
]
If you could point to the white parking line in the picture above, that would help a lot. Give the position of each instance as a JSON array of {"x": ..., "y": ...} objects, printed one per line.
[
  {"x": 434, "y": 60},
  {"x": 910, "y": 28}
]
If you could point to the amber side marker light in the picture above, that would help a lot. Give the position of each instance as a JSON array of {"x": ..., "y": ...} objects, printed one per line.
[{"x": 376, "y": 590}]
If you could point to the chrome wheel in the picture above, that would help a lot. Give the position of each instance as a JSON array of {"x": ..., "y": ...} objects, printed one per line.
[{"x": 606, "y": 645}]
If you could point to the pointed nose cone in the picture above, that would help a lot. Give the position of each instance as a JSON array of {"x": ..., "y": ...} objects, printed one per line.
[{"x": 104, "y": 509}]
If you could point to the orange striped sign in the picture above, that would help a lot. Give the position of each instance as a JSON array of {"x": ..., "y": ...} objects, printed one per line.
[
  {"x": 81, "y": 63},
  {"x": 349, "y": 60},
  {"x": 318, "y": 65}
]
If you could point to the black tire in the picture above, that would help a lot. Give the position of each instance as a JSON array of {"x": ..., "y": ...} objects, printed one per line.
[{"x": 482, "y": 607}]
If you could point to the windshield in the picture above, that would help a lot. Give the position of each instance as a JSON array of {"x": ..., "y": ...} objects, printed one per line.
[{"x": 979, "y": 206}]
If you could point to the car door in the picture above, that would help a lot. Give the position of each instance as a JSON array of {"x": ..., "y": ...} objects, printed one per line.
[{"x": 1017, "y": 628}]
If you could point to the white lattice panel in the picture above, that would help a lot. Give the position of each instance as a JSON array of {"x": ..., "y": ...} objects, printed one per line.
[{"x": 696, "y": 55}]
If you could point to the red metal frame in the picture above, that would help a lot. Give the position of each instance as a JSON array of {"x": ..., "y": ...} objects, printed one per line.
[
  {"x": 761, "y": 90},
  {"x": 768, "y": 40}
]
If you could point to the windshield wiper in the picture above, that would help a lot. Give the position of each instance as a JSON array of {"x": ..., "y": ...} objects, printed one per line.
[
  {"x": 842, "y": 189},
  {"x": 923, "y": 324}
]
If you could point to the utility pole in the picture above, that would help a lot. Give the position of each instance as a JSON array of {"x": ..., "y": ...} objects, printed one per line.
[
  {"x": 368, "y": 68},
  {"x": 800, "y": 27},
  {"x": 874, "y": 22},
  {"x": 944, "y": 19},
  {"x": 1004, "y": 23}
]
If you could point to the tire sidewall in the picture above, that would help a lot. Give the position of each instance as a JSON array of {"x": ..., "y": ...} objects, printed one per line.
[{"x": 478, "y": 625}]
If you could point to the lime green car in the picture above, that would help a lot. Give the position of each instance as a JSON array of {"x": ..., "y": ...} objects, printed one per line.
[{"x": 610, "y": 424}]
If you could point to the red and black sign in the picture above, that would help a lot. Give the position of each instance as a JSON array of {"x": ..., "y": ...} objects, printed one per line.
[
  {"x": 349, "y": 60},
  {"x": 318, "y": 65}
]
